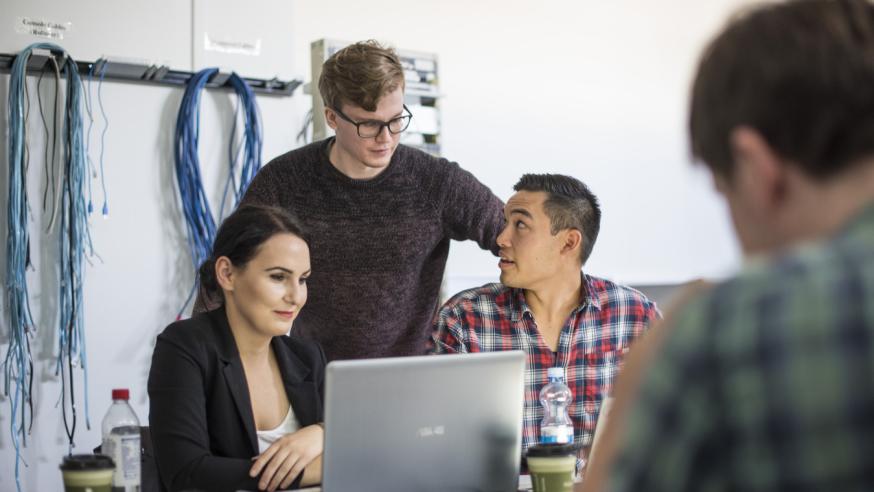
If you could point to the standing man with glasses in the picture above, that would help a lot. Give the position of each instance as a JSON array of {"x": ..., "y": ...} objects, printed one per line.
[{"x": 379, "y": 215}]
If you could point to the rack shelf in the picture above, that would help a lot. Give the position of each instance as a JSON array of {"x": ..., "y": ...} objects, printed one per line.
[{"x": 149, "y": 74}]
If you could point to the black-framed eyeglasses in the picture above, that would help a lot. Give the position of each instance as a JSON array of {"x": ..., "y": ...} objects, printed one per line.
[{"x": 372, "y": 128}]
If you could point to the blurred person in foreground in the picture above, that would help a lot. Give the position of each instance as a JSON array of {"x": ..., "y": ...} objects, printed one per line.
[{"x": 765, "y": 382}]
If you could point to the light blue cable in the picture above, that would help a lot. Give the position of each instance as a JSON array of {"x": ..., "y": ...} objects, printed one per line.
[
  {"x": 17, "y": 372},
  {"x": 103, "y": 139},
  {"x": 233, "y": 156},
  {"x": 74, "y": 238},
  {"x": 88, "y": 109}
]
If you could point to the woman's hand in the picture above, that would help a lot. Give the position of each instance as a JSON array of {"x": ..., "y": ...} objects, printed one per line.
[{"x": 287, "y": 457}]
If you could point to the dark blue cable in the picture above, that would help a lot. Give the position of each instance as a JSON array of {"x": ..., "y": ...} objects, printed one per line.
[{"x": 198, "y": 215}]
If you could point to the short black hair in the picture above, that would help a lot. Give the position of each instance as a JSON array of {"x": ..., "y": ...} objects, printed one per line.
[
  {"x": 801, "y": 73},
  {"x": 569, "y": 205}
]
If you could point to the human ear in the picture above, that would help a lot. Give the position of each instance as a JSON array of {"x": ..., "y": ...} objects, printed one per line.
[
  {"x": 331, "y": 118},
  {"x": 572, "y": 242},
  {"x": 758, "y": 169},
  {"x": 224, "y": 273}
]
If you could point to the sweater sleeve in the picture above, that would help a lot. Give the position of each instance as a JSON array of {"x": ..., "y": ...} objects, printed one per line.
[{"x": 470, "y": 209}]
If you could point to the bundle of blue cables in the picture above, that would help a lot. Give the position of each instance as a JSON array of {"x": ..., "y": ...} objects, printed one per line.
[
  {"x": 199, "y": 221},
  {"x": 74, "y": 237}
]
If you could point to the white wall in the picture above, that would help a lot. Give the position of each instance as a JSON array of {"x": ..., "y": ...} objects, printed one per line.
[{"x": 593, "y": 89}]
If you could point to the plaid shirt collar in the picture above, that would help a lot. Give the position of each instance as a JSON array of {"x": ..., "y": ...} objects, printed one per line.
[{"x": 520, "y": 306}]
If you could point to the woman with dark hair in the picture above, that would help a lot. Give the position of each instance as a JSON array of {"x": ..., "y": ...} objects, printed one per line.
[{"x": 236, "y": 402}]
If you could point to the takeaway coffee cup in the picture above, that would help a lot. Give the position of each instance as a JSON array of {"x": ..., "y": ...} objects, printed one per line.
[
  {"x": 552, "y": 467},
  {"x": 87, "y": 473}
]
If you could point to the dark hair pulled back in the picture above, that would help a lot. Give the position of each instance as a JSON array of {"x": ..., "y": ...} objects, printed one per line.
[{"x": 239, "y": 237}]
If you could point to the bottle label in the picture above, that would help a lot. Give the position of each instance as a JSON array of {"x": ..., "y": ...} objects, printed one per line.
[
  {"x": 124, "y": 449},
  {"x": 556, "y": 435}
]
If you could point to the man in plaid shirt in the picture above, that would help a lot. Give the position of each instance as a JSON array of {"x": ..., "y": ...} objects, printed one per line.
[
  {"x": 546, "y": 306},
  {"x": 766, "y": 382}
]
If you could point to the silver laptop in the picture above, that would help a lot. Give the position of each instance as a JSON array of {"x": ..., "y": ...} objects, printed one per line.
[{"x": 406, "y": 424}]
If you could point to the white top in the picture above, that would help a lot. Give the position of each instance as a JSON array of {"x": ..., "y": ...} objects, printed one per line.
[{"x": 289, "y": 425}]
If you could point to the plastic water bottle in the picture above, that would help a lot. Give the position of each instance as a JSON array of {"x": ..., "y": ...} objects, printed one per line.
[
  {"x": 555, "y": 397},
  {"x": 121, "y": 442}
]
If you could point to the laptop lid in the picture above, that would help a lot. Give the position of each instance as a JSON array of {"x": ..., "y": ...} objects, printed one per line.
[{"x": 442, "y": 422}]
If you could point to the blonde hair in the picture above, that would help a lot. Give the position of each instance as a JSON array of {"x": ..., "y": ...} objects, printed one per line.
[{"x": 360, "y": 74}]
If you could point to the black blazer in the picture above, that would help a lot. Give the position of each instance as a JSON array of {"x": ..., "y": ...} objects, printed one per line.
[{"x": 200, "y": 414}]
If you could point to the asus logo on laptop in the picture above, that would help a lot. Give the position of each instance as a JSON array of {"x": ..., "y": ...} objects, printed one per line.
[{"x": 437, "y": 430}]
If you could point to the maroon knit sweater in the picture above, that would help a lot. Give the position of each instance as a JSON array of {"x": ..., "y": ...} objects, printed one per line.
[{"x": 378, "y": 247}]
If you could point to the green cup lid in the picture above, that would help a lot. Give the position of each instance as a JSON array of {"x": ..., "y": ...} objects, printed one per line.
[
  {"x": 87, "y": 462},
  {"x": 551, "y": 450}
]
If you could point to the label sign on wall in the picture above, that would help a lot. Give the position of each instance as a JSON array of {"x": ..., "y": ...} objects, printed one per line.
[
  {"x": 250, "y": 48},
  {"x": 42, "y": 27}
]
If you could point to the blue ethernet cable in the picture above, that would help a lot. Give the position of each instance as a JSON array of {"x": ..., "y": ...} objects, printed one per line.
[
  {"x": 74, "y": 237},
  {"x": 196, "y": 210}
]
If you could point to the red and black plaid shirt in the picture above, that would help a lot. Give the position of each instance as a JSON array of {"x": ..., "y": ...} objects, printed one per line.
[{"x": 593, "y": 341}]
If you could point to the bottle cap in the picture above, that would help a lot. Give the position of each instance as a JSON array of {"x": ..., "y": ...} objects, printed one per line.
[
  {"x": 120, "y": 394},
  {"x": 555, "y": 372}
]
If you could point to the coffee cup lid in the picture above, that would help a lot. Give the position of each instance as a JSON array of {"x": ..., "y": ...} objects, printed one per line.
[
  {"x": 82, "y": 462},
  {"x": 544, "y": 450}
]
